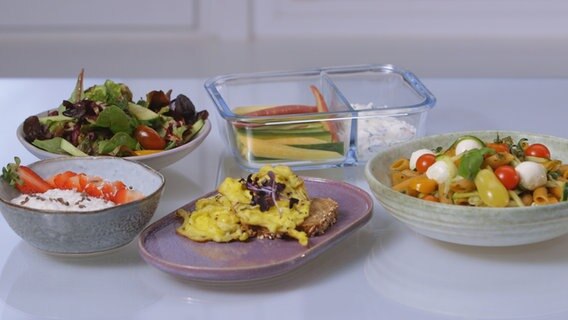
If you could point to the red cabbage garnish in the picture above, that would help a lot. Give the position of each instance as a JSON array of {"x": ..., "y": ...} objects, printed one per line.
[{"x": 265, "y": 194}]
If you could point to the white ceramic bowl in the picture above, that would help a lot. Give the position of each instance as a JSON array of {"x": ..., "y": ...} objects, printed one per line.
[
  {"x": 468, "y": 225},
  {"x": 74, "y": 232},
  {"x": 156, "y": 160}
]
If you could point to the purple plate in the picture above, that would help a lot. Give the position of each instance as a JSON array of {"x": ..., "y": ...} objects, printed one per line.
[{"x": 256, "y": 259}]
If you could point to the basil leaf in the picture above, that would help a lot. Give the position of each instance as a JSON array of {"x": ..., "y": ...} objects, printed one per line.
[{"x": 471, "y": 162}]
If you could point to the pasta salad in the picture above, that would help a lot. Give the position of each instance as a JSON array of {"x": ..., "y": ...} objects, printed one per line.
[{"x": 472, "y": 172}]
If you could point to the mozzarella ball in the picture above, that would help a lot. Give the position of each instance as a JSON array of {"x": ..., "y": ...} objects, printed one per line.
[
  {"x": 441, "y": 171},
  {"x": 415, "y": 155},
  {"x": 467, "y": 144},
  {"x": 532, "y": 174}
]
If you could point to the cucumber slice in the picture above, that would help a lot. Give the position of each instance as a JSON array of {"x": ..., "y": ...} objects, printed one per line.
[
  {"x": 464, "y": 139},
  {"x": 283, "y": 127},
  {"x": 71, "y": 149},
  {"x": 331, "y": 146},
  {"x": 321, "y": 135},
  {"x": 142, "y": 113},
  {"x": 195, "y": 128}
]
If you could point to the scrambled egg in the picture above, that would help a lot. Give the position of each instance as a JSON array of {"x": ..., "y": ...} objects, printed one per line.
[{"x": 225, "y": 216}]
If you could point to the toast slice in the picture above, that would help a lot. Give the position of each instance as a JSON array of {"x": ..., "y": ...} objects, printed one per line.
[{"x": 323, "y": 214}]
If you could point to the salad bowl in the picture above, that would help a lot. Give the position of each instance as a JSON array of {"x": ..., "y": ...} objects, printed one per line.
[
  {"x": 85, "y": 232},
  {"x": 156, "y": 161},
  {"x": 480, "y": 226},
  {"x": 104, "y": 120}
]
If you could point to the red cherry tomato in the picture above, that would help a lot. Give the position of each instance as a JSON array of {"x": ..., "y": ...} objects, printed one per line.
[
  {"x": 149, "y": 138},
  {"x": 424, "y": 162},
  {"x": 508, "y": 177},
  {"x": 498, "y": 147},
  {"x": 537, "y": 150}
]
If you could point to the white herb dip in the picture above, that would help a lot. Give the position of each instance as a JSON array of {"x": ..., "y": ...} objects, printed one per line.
[
  {"x": 373, "y": 134},
  {"x": 62, "y": 200}
]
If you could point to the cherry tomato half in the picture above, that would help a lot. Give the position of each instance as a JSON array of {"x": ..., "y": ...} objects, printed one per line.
[
  {"x": 508, "y": 177},
  {"x": 149, "y": 138},
  {"x": 537, "y": 150},
  {"x": 498, "y": 147},
  {"x": 424, "y": 162}
]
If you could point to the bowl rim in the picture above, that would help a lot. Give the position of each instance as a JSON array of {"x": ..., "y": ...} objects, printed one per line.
[
  {"x": 202, "y": 134},
  {"x": 147, "y": 168},
  {"x": 561, "y": 208}
]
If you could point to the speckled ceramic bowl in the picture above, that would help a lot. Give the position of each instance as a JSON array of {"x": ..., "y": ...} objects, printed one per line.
[
  {"x": 469, "y": 225},
  {"x": 89, "y": 232},
  {"x": 156, "y": 160}
]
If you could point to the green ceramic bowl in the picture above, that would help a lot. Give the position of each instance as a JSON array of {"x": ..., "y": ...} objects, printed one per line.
[{"x": 479, "y": 226}]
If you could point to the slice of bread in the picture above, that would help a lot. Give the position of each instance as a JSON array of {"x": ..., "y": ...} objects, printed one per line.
[{"x": 323, "y": 214}]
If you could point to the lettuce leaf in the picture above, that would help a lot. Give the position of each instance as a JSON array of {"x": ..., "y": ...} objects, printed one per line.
[
  {"x": 111, "y": 93},
  {"x": 113, "y": 144},
  {"x": 50, "y": 145},
  {"x": 58, "y": 145},
  {"x": 116, "y": 120}
]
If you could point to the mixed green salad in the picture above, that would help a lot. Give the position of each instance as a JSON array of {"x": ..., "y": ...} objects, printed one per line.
[{"x": 104, "y": 120}]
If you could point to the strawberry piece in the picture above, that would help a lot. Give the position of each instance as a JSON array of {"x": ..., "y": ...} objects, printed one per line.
[
  {"x": 77, "y": 182},
  {"x": 60, "y": 180},
  {"x": 127, "y": 195},
  {"x": 119, "y": 185},
  {"x": 93, "y": 190},
  {"x": 108, "y": 190},
  {"x": 24, "y": 178}
]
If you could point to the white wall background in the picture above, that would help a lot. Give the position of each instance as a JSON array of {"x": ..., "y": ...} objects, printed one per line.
[{"x": 201, "y": 38}]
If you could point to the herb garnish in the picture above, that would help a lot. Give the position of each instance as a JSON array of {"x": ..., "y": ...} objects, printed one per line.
[
  {"x": 265, "y": 193},
  {"x": 518, "y": 150},
  {"x": 471, "y": 162}
]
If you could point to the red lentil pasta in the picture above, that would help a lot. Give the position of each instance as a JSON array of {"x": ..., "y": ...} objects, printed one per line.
[{"x": 472, "y": 172}]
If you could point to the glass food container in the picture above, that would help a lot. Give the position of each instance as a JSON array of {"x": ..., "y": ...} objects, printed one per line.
[{"x": 321, "y": 117}]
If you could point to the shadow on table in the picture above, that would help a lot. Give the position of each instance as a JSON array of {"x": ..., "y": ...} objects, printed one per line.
[
  {"x": 41, "y": 285},
  {"x": 468, "y": 281}
]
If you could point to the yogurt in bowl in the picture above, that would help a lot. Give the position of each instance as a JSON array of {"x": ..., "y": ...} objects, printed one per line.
[
  {"x": 62, "y": 200},
  {"x": 74, "y": 231}
]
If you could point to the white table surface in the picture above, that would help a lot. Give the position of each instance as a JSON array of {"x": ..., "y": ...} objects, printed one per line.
[{"x": 384, "y": 271}]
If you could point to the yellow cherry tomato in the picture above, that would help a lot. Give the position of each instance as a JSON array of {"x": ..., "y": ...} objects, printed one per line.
[
  {"x": 491, "y": 191},
  {"x": 423, "y": 185}
]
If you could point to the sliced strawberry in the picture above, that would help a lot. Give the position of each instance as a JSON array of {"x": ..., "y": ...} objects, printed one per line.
[
  {"x": 119, "y": 185},
  {"x": 59, "y": 180},
  {"x": 77, "y": 182},
  {"x": 127, "y": 195},
  {"x": 95, "y": 180},
  {"x": 93, "y": 190},
  {"x": 24, "y": 178},
  {"x": 110, "y": 189}
]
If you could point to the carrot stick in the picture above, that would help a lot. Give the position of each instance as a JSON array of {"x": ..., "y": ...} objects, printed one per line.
[
  {"x": 281, "y": 110},
  {"x": 322, "y": 107}
]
